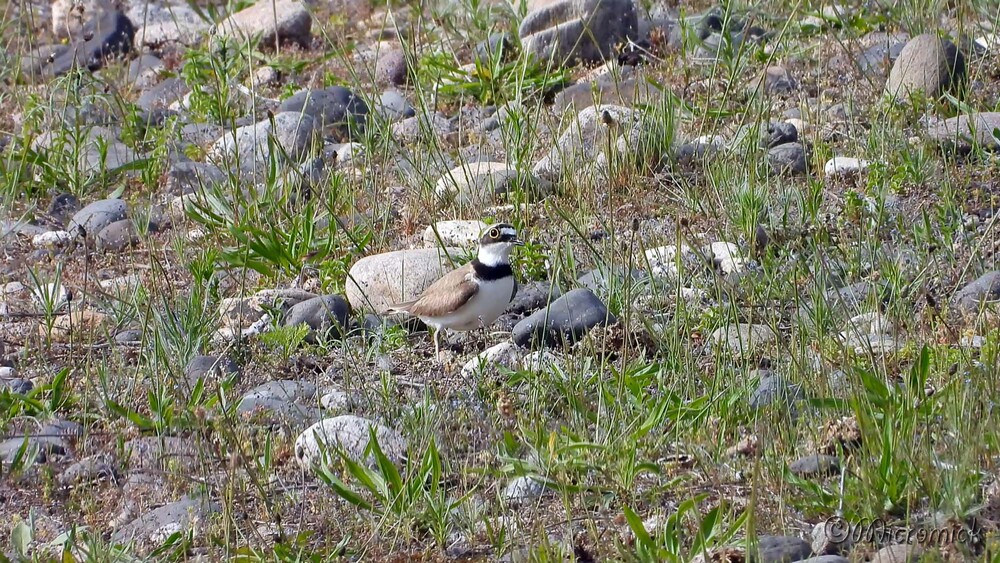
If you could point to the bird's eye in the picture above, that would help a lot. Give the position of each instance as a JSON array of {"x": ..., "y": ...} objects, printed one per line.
[{"x": 494, "y": 233}]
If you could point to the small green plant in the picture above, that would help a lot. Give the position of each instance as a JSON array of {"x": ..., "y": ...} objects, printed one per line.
[
  {"x": 716, "y": 528},
  {"x": 285, "y": 339}
]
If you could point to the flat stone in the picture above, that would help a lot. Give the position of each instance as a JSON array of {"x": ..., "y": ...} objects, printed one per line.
[
  {"x": 88, "y": 471},
  {"x": 845, "y": 166},
  {"x": 187, "y": 177},
  {"x": 272, "y": 21},
  {"x": 743, "y": 339},
  {"x": 815, "y": 466},
  {"x": 980, "y": 294},
  {"x": 964, "y": 132},
  {"x": 482, "y": 183},
  {"x": 789, "y": 158},
  {"x": 157, "y": 525},
  {"x": 567, "y": 319},
  {"x": 899, "y": 553},
  {"x": 774, "y": 389},
  {"x": 209, "y": 368},
  {"x": 781, "y": 549}
]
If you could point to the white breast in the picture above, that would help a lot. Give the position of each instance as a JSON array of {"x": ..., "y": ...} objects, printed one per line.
[{"x": 482, "y": 310}]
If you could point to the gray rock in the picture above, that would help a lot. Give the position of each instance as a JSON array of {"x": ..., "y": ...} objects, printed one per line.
[
  {"x": 127, "y": 337},
  {"x": 484, "y": 183},
  {"x": 780, "y": 133},
  {"x": 981, "y": 294},
  {"x": 210, "y": 368},
  {"x": 35, "y": 62},
  {"x": 506, "y": 354},
  {"x": 497, "y": 44},
  {"x": 187, "y": 177},
  {"x": 162, "y": 25},
  {"x": 117, "y": 236},
  {"x": 602, "y": 282},
  {"x": 157, "y": 525},
  {"x": 163, "y": 94},
  {"x": 569, "y": 30},
  {"x": 351, "y": 433},
  {"x": 776, "y": 80},
  {"x": 608, "y": 89},
  {"x": 877, "y": 59},
  {"x": 815, "y": 466},
  {"x": 825, "y": 559},
  {"x": 88, "y": 471},
  {"x": 832, "y": 537},
  {"x": 41, "y": 448},
  {"x": 162, "y": 453},
  {"x": 781, "y": 549},
  {"x": 568, "y": 318},
  {"x": 281, "y": 402},
  {"x": 294, "y": 134},
  {"x": 789, "y": 158},
  {"x": 522, "y": 490},
  {"x": 964, "y": 132},
  {"x": 582, "y": 148},
  {"x": 532, "y": 297},
  {"x": 144, "y": 71},
  {"x": 413, "y": 129},
  {"x": 927, "y": 64},
  {"x": 774, "y": 389},
  {"x": 376, "y": 283},
  {"x": 241, "y": 312},
  {"x": 391, "y": 68},
  {"x": 392, "y": 106},
  {"x": 899, "y": 553},
  {"x": 742, "y": 340},
  {"x": 17, "y": 385},
  {"x": 108, "y": 36},
  {"x": 336, "y": 110},
  {"x": 326, "y": 314},
  {"x": 273, "y": 21},
  {"x": 93, "y": 218}
]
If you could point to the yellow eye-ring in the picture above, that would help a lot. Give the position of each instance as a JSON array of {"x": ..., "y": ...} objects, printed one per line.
[{"x": 494, "y": 233}]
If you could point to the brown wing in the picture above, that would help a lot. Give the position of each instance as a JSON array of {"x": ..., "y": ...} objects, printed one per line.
[{"x": 444, "y": 296}]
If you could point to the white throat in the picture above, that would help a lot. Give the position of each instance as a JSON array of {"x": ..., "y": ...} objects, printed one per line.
[{"x": 496, "y": 254}]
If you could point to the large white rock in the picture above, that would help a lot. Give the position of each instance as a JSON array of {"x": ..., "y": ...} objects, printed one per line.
[
  {"x": 376, "y": 283},
  {"x": 844, "y": 165},
  {"x": 350, "y": 433},
  {"x": 454, "y": 233}
]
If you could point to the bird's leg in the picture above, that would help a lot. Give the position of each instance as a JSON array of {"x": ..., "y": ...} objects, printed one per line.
[{"x": 437, "y": 345}]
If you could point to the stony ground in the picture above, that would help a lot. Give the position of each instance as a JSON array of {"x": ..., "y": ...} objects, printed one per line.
[{"x": 757, "y": 309}]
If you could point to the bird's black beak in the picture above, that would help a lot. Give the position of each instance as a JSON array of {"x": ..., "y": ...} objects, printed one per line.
[{"x": 518, "y": 242}]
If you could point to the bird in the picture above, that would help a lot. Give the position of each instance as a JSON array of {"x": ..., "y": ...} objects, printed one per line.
[{"x": 471, "y": 296}]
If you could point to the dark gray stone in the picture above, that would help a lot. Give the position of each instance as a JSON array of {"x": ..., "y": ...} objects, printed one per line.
[
  {"x": 392, "y": 106},
  {"x": 878, "y": 58},
  {"x": 109, "y": 36},
  {"x": 62, "y": 207},
  {"x": 774, "y": 389},
  {"x": 815, "y": 466},
  {"x": 497, "y": 44},
  {"x": 209, "y": 368},
  {"x": 117, "y": 236},
  {"x": 281, "y": 402},
  {"x": 328, "y": 313},
  {"x": 982, "y": 293},
  {"x": 337, "y": 110},
  {"x": 17, "y": 385},
  {"x": 570, "y": 30},
  {"x": 532, "y": 297},
  {"x": 825, "y": 559},
  {"x": 191, "y": 177},
  {"x": 130, "y": 336},
  {"x": 780, "y": 133},
  {"x": 98, "y": 215},
  {"x": 781, "y": 549},
  {"x": 391, "y": 68},
  {"x": 789, "y": 158},
  {"x": 163, "y": 94},
  {"x": 566, "y": 319}
]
